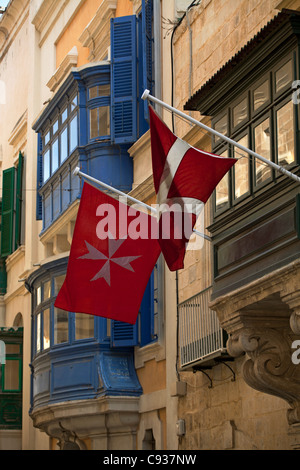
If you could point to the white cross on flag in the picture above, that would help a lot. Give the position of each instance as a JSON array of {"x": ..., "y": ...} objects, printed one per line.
[{"x": 184, "y": 178}]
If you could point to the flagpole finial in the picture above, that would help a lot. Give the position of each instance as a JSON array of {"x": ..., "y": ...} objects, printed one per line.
[{"x": 145, "y": 94}]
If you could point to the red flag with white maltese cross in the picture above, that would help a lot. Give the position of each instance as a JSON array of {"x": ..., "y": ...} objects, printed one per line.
[
  {"x": 111, "y": 259},
  {"x": 184, "y": 178}
]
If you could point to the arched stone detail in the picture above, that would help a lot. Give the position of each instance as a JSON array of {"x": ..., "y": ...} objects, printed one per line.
[
  {"x": 18, "y": 320},
  {"x": 151, "y": 420}
]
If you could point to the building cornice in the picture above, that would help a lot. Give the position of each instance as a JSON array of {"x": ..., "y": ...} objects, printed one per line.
[
  {"x": 44, "y": 14},
  {"x": 18, "y": 136},
  {"x": 15, "y": 257},
  {"x": 49, "y": 13},
  {"x": 96, "y": 35},
  {"x": 63, "y": 70},
  {"x": 282, "y": 31},
  {"x": 10, "y": 22}
]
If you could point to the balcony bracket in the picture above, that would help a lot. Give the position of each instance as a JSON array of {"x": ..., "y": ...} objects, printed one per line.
[
  {"x": 195, "y": 369},
  {"x": 233, "y": 373}
]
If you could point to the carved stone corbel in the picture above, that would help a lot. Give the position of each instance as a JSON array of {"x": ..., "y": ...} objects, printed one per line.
[
  {"x": 293, "y": 301},
  {"x": 269, "y": 367}
]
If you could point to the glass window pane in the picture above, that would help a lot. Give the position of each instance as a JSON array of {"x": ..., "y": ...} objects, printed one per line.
[
  {"x": 285, "y": 134},
  {"x": 11, "y": 374},
  {"x": 222, "y": 190},
  {"x": 46, "y": 331},
  {"x": 84, "y": 325},
  {"x": 46, "y": 165},
  {"x": 64, "y": 115},
  {"x": 75, "y": 185},
  {"x": 261, "y": 95},
  {"x": 74, "y": 103},
  {"x": 99, "y": 90},
  {"x": 104, "y": 121},
  {"x": 65, "y": 187},
  {"x": 47, "y": 138},
  {"x": 73, "y": 133},
  {"x": 58, "y": 282},
  {"x": 55, "y": 127},
  {"x": 94, "y": 128},
  {"x": 47, "y": 209},
  {"x": 55, "y": 162},
  {"x": 38, "y": 295},
  {"x": 241, "y": 169},
  {"x": 64, "y": 144},
  {"x": 240, "y": 112},
  {"x": 55, "y": 200},
  {"x": 221, "y": 127},
  {"x": 46, "y": 290},
  {"x": 61, "y": 330},
  {"x": 93, "y": 92},
  {"x": 38, "y": 332},
  {"x": 104, "y": 90},
  {"x": 263, "y": 148},
  {"x": 283, "y": 76}
]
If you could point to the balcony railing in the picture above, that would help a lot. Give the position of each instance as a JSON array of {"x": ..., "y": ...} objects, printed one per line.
[{"x": 201, "y": 339}]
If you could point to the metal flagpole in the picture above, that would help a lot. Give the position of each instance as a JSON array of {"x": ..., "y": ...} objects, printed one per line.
[
  {"x": 78, "y": 172},
  {"x": 146, "y": 95}
]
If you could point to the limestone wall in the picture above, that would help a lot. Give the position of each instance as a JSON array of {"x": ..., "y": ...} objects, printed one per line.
[{"x": 229, "y": 414}]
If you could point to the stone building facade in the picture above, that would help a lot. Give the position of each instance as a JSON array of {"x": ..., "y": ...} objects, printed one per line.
[
  {"x": 249, "y": 399},
  {"x": 210, "y": 364}
]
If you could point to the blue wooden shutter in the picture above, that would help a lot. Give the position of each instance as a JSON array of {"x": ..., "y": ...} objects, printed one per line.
[
  {"x": 39, "y": 201},
  {"x": 124, "y": 79},
  {"x": 154, "y": 303},
  {"x": 8, "y": 201},
  {"x": 147, "y": 313},
  {"x": 147, "y": 43},
  {"x": 143, "y": 332},
  {"x": 123, "y": 334}
]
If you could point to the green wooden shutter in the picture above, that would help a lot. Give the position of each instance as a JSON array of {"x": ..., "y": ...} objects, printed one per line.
[
  {"x": 10, "y": 382},
  {"x": 3, "y": 277},
  {"x": 18, "y": 202},
  {"x": 7, "y": 225}
]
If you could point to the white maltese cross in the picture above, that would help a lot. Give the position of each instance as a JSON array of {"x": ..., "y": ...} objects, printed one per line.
[{"x": 113, "y": 246}]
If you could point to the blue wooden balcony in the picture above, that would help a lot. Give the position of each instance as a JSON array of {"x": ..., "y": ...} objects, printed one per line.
[{"x": 73, "y": 355}]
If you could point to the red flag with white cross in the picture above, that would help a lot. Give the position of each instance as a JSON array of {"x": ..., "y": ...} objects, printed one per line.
[
  {"x": 111, "y": 258},
  {"x": 184, "y": 178}
]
